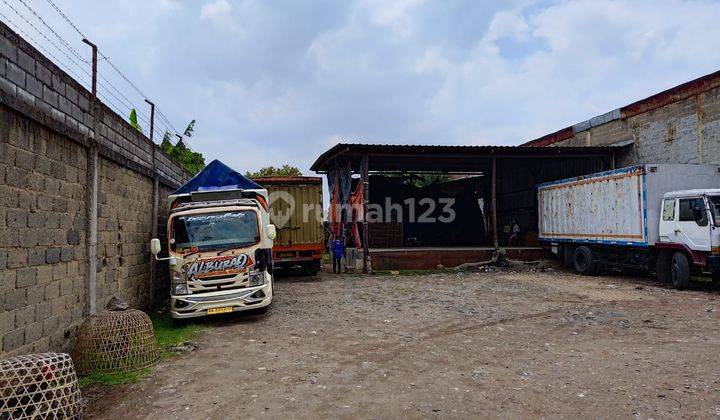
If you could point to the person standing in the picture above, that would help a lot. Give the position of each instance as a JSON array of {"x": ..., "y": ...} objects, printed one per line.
[{"x": 338, "y": 249}]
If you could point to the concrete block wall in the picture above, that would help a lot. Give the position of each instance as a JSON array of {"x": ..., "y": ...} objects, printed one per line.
[
  {"x": 42, "y": 234},
  {"x": 124, "y": 228},
  {"x": 47, "y": 132}
]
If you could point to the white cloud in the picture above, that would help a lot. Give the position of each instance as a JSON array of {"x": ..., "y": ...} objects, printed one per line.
[
  {"x": 507, "y": 23},
  {"x": 215, "y": 10},
  {"x": 396, "y": 14},
  {"x": 275, "y": 83},
  {"x": 575, "y": 60}
]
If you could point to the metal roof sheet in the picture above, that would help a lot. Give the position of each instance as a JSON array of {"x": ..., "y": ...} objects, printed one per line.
[{"x": 420, "y": 151}]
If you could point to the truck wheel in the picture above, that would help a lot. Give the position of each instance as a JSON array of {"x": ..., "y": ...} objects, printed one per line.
[
  {"x": 664, "y": 267},
  {"x": 680, "y": 271},
  {"x": 583, "y": 260},
  {"x": 311, "y": 269}
]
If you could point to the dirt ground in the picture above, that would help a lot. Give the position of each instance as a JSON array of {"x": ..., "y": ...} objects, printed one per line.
[{"x": 505, "y": 343}]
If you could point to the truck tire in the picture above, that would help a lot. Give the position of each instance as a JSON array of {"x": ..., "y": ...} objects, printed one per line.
[
  {"x": 583, "y": 261},
  {"x": 311, "y": 269},
  {"x": 664, "y": 267},
  {"x": 680, "y": 271}
]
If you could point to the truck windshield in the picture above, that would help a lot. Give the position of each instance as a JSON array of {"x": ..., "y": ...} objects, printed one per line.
[
  {"x": 215, "y": 231},
  {"x": 715, "y": 208}
]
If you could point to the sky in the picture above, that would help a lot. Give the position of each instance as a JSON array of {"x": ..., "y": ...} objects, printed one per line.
[{"x": 276, "y": 82}]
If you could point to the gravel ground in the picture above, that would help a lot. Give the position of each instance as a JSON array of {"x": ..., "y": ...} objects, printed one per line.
[{"x": 505, "y": 343}]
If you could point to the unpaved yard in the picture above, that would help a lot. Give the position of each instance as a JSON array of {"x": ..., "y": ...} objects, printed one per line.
[{"x": 500, "y": 343}]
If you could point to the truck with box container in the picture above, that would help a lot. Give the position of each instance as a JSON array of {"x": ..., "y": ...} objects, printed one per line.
[
  {"x": 662, "y": 218},
  {"x": 219, "y": 245},
  {"x": 296, "y": 212}
]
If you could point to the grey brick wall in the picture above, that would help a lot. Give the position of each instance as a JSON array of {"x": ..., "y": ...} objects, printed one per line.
[
  {"x": 46, "y": 129},
  {"x": 42, "y": 236},
  {"x": 124, "y": 225},
  {"x": 668, "y": 134}
]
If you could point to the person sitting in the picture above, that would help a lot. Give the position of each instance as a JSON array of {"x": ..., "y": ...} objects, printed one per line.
[{"x": 514, "y": 235}]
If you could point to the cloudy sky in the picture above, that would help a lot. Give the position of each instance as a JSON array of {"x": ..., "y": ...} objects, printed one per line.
[{"x": 274, "y": 82}]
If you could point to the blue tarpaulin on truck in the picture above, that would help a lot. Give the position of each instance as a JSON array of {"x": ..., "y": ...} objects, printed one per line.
[{"x": 215, "y": 177}]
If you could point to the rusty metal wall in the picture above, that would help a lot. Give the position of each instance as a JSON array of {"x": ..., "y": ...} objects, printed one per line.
[
  {"x": 616, "y": 207},
  {"x": 604, "y": 208}
]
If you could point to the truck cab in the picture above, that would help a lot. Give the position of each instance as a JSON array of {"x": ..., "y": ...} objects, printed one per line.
[
  {"x": 689, "y": 234},
  {"x": 219, "y": 245}
]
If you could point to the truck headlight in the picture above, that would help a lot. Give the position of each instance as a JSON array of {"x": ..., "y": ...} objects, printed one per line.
[
  {"x": 177, "y": 283},
  {"x": 179, "y": 289},
  {"x": 177, "y": 277},
  {"x": 256, "y": 278}
]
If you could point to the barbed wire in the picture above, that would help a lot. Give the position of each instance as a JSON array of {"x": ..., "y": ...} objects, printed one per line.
[
  {"x": 67, "y": 45},
  {"x": 67, "y": 19},
  {"x": 104, "y": 84},
  {"x": 83, "y": 80}
]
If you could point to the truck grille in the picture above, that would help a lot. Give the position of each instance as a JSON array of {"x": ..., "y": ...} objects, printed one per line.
[{"x": 212, "y": 284}]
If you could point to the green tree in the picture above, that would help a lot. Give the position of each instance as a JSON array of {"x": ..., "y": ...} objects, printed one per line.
[
  {"x": 193, "y": 162},
  {"x": 134, "y": 120},
  {"x": 419, "y": 180},
  {"x": 285, "y": 170}
]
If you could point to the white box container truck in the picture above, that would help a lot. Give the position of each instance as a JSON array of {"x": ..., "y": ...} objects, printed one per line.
[{"x": 656, "y": 217}]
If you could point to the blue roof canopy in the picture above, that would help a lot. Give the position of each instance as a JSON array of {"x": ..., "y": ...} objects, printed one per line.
[{"x": 215, "y": 177}]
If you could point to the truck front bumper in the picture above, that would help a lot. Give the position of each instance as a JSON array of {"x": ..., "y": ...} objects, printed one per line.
[{"x": 196, "y": 305}]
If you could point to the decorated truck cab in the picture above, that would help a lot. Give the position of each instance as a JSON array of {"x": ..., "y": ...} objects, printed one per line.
[{"x": 219, "y": 245}]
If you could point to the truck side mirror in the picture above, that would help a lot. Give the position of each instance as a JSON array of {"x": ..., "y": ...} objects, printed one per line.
[
  {"x": 155, "y": 246},
  {"x": 271, "y": 232}
]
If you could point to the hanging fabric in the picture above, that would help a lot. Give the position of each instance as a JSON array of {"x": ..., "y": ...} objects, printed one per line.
[{"x": 356, "y": 205}]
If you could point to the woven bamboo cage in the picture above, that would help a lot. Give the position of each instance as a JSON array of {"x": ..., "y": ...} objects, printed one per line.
[
  {"x": 39, "y": 386},
  {"x": 114, "y": 341}
]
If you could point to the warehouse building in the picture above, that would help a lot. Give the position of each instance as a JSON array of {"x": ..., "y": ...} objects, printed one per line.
[
  {"x": 444, "y": 205},
  {"x": 679, "y": 125},
  {"x": 493, "y": 187}
]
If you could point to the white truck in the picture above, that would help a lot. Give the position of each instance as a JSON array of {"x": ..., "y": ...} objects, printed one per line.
[
  {"x": 663, "y": 218},
  {"x": 219, "y": 244}
]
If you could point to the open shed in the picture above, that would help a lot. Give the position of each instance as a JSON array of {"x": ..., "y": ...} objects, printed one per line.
[{"x": 419, "y": 206}]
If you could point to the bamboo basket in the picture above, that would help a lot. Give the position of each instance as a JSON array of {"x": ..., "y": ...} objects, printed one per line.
[
  {"x": 39, "y": 386},
  {"x": 114, "y": 341}
]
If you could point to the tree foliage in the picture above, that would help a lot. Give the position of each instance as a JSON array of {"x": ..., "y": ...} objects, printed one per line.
[
  {"x": 193, "y": 162},
  {"x": 134, "y": 120},
  {"x": 420, "y": 180},
  {"x": 285, "y": 170}
]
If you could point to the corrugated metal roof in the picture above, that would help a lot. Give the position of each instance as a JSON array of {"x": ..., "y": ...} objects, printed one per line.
[
  {"x": 288, "y": 180},
  {"x": 352, "y": 151}
]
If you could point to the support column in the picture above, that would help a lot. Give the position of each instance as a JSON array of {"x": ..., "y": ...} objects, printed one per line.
[
  {"x": 493, "y": 202},
  {"x": 156, "y": 195},
  {"x": 699, "y": 128},
  {"x": 154, "y": 224},
  {"x": 364, "y": 177},
  {"x": 91, "y": 236},
  {"x": 91, "y": 185}
]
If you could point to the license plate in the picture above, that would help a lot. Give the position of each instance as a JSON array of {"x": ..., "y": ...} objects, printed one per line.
[{"x": 223, "y": 310}]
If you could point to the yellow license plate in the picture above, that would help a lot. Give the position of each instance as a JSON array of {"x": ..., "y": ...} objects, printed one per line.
[{"x": 223, "y": 310}]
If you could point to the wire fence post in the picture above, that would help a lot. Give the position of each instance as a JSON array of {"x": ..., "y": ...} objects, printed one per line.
[
  {"x": 92, "y": 196},
  {"x": 156, "y": 195},
  {"x": 152, "y": 123},
  {"x": 94, "y": 67}
]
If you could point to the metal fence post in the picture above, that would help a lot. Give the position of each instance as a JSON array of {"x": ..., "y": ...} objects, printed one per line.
[{"x": 91, "y": 231}]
